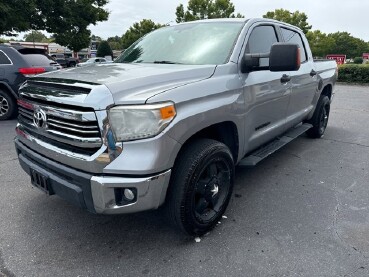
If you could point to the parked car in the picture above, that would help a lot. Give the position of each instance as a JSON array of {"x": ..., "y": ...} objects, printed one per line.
[
  {"x": 92, "y": 61},
  {"x": 65, "y": 61},
  {"x": 16, "y": 65},
  {"x": 167, "y": 122}
]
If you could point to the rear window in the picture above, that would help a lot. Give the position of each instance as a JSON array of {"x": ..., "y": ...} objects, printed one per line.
[{"x": 36, "y": 57}]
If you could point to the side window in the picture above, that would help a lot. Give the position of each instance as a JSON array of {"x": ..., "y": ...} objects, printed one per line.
[
  {"x": 4, "y": 59},
  {"x": 294, "y": 37},
  {"x": 261, "y": 40},
  {"x": 97, "y": 60}
]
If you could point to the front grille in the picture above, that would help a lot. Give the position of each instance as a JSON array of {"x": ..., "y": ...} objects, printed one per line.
[
  {"x": 73, "y": 127},
  {"x": 78, "y": 129}
]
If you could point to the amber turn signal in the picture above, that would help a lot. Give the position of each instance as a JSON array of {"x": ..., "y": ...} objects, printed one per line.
[{"x": 168, "y": 112}]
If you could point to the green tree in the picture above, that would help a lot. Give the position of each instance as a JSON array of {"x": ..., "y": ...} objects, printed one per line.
[
  {"x": 206, "y": 9},
  {"x": 15, "y": 16},
  {"x": 74, "y": 40},
  {"x": 35, "y": 36},
  {"x": 320, "y": 44},
  {"x": 296, "y": 18},
  {"x": 104, "y": 49},
  {"x": 3, "y": 40},
  {"x": 68, "y": 20},
  {"x": 138, "y": 30},
  {"x": 115, "y": 43},
  {"x": 346, "y": 44},
  {"x": 96, "y": 38}
]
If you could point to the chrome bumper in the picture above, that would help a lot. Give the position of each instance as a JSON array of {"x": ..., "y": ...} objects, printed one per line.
[
  {"x": 151, "y": 192},
  {"x": 95, "y": 193}
]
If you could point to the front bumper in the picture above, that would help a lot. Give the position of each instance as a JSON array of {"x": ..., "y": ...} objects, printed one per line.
[{"x": 96, "y": 193}]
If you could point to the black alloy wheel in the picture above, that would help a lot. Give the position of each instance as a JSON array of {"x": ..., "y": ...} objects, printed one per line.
[
  {"x": 211, "y": 190},
  {"x": 201, "y": 186},
  {"x": 8, "y": 106},
  {"x": 4, "y": 106},
  {"x": 320, "y": 118},
  {"x": 323, "y": 119}
]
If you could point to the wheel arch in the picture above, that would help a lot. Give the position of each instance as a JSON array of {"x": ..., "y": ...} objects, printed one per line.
[
  {"x": 5, "y": 87},
  {"x": 225, "y": 132},
  {"x": 327, "y": 91}
]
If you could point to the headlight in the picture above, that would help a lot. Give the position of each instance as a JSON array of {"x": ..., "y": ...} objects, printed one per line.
[{"x": 140, "y": 121}]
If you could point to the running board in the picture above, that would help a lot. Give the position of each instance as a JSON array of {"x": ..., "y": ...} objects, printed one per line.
[{"x": 260, "y": 154}]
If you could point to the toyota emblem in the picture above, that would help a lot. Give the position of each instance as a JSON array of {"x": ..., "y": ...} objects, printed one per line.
[{"x": 39, "y": 118}]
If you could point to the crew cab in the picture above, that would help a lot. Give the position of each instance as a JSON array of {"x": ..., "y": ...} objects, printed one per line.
[{"x": 168, "y": 121}]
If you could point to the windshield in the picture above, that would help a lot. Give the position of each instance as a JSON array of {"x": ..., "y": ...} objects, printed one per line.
[
  {"x": 194, "y": 43},
  {"x": 90, "y": 60}
]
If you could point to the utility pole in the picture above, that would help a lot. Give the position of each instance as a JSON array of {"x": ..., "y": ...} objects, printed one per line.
[{"x": 33, "y": 38}]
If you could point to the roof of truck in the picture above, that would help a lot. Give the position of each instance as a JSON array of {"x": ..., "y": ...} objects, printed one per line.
[{"x": 245, "y": 20}]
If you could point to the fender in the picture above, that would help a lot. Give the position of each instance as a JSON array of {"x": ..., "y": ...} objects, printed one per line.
[{"x": 9, "y": 89}]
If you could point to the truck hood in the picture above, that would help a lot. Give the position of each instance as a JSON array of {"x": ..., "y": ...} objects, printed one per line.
[{"x": 135, "y": 83}]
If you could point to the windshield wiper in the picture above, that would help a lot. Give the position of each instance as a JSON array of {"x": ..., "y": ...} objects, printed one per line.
[{"x": 166, "y": 62}]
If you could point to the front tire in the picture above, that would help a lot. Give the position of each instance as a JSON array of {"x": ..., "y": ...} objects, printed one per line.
[
  {"x": 8, "y": 106},
  {"x": 201, "y": 186},
  {"x": 320, "y": 118}
]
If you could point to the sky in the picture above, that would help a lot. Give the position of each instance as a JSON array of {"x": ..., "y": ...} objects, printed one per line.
[{"x": 328, "y": 16}]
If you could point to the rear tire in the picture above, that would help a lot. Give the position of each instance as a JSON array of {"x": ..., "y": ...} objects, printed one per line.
[
  {"x": 320, "y": 118},
  {"x": 201, "y": 186},
  {"x": 8, "y": 106}
]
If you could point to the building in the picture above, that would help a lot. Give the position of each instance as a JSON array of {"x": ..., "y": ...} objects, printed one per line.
[{"x": 54, "y": 48}]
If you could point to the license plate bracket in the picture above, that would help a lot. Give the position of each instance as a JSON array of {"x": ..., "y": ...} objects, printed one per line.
[{"x": 41, "y": 182}]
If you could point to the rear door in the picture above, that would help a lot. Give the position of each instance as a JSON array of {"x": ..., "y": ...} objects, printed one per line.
[
  {"x": 266, "y": 97},
  {"x": 10, "y": 62},
  {"x": 304, "y": 81},
  {"x": 5, "y": 63}
]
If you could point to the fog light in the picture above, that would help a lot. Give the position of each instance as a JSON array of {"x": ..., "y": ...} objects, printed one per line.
[
  {"x": 129, "y": 195},
  {"x": 125, "y": 196}
]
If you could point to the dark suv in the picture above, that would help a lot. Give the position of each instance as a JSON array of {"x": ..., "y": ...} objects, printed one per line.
[{"x": 16, "y": 65}]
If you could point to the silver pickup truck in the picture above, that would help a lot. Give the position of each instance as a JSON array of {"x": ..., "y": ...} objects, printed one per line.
[{"x": 169, "y": 120}]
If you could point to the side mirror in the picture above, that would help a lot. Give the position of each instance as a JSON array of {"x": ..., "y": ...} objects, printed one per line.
[
  {"x": 284, "y": 57},
  {"x": 251, "y": 62}
]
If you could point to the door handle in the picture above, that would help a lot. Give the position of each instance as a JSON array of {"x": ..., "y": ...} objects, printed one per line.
[
  {"x": 313, "y": 73},
  {"x": 285, "y": 78}
]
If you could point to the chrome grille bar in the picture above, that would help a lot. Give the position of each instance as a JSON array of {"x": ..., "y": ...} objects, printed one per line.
[
  {"x": 67, "y": 126},
  {"x": 51, "y": 125},
  {"x": 64, "y": 123}
]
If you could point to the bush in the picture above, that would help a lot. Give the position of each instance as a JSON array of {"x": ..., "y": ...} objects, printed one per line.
[
  {"x": 358, "y": 60},
  {"x": 353, "y": 73}
]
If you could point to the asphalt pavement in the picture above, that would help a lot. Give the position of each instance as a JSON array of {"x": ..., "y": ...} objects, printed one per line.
[{"x": 301, "y": 212}]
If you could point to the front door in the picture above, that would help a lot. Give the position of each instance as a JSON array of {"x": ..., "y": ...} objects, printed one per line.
[{"x": 266, "y": 96}]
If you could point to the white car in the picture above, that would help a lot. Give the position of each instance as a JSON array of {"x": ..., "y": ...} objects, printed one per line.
[{"x": 94, "y": 61}]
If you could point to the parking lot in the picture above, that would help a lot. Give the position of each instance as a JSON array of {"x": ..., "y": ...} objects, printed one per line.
[{"x": 304, "y": 211}]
